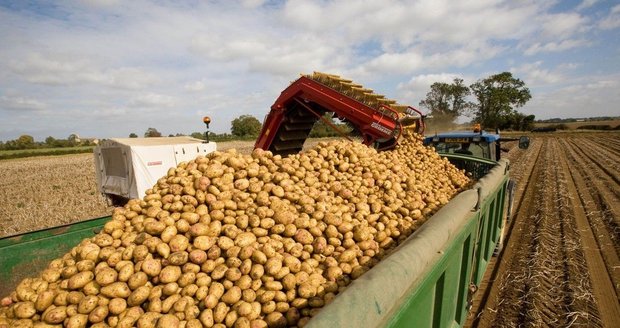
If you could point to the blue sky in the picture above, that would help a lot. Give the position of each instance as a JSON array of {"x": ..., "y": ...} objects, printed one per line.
[{"x": 106, "y": 68}]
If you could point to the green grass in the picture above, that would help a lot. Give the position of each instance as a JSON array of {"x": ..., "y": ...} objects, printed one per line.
[{"x": 8, "y": 154}]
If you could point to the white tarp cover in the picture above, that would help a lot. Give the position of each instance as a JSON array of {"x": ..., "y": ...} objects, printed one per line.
[{"x": 127, "y": 167}]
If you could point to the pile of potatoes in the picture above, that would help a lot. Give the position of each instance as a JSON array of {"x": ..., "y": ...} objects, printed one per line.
[{"x": 231, "y": 240}]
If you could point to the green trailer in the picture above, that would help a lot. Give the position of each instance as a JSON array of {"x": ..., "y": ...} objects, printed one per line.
[{"x": 426, "y": 282}]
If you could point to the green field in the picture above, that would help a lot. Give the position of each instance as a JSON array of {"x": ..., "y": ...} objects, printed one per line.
[{"x": 8, "y": 154}]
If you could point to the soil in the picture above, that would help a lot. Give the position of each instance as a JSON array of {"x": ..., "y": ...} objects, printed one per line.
[{"x": 560, "y": 265}]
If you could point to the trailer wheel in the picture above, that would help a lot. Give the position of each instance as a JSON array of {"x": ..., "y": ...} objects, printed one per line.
[{"x": 506, "y": 218}]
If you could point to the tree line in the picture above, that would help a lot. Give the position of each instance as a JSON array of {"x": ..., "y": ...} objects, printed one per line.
[
  {"x": 495, "y": 100},
  {"x": 27, "y": 142}
]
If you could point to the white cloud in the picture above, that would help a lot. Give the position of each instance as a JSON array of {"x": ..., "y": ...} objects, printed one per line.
[
  {"x": 555, "y": 46},
  {"x": 586, "y": 4},
  {"x": 100, "y": 3},
  {"x": 252, "y": 3},
  {"x": 152, "y": 100},
  {"x": 20, "y": 103},
  {"x": 195, "y": 86},
  {"x": 590, "y": 96},
  {"x": 563, "y": 25},
  {"x": 612, "y": 20},
  {"x": 55, "y": 69},
  {"x": 534, "y": 74}
]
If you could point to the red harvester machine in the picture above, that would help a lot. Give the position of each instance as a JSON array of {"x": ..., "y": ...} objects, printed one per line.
[{"x": 378, "y": 120}]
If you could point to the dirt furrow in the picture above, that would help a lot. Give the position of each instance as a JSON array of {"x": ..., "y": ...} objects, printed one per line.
[
  {"x": 603, "y": 291},
  {"x": 596, "y": 210},
  {"x": 555, "y": 275},
  {"x": 595, "y": 159},
  {"x": 610, "y": 143},
  {"x": 602, "y": 191},
  {"x": 606, "y": 157},
  {"x": 608, "y": 188}
]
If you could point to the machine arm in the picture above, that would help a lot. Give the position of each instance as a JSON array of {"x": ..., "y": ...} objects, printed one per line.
[{"x": 306, "y": 100}]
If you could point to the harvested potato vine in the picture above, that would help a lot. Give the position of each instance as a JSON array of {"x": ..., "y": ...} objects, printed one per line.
[{"x": 232, "y": 240}]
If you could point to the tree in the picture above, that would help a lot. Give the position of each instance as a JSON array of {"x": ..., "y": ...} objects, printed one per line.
[
  {"x": 245, "y": 125},
  {"x": 25, "y": 142},
  {"x": 50, "y": 141},
  {"x": 133, "y": 135},
  {"x": 447, "y": 101},
  {"x": 498, "y": 95},
  {"x": 152, "y": 133}
]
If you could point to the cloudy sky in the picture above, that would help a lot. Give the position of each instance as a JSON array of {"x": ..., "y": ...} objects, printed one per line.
[{"x": 106, "y": 68}]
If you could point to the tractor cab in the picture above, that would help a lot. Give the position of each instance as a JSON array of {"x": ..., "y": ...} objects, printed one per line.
[
  {"x": 481, "y": 145},
  {"x": 474, "y": 151}
]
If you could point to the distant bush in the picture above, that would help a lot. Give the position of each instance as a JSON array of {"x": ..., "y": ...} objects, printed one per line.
[
  {"x": 617, "y": 127},
  {"x": 44, "y": 152},
  {"x": 594, "y": 127}
]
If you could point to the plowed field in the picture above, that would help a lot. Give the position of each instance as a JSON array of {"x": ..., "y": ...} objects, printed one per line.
[{"x": 560, "y": 264}]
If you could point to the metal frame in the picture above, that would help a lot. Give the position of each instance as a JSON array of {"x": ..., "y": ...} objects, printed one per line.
[{"x": 373, "y": 124}]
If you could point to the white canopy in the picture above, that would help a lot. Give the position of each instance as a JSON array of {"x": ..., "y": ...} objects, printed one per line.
[{"x": 127, "y": 167}]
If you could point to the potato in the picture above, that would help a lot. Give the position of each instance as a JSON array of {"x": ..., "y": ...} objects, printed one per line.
[
  {"x": 117, "y": 306},
  {"x": 106, "y": 276},
  {"x": 276, "y": 319},
  {"x": 138, "y": 296},
  {"x": 138, "y": 279},
  {"x": 87, "y": 304},
  {"x": 206, "y": 318},
  {"x": 116, "y": 290},
  {"x": 77, "y": 321},
  {"x": 170, "y": 274},
  {"x": 24, "y": 310},
  {"x": 178, "y": 258},
  {"x": 74, "y": 297},
  {"x": 80, "y": 280},
  {"x": 151, "y": 267},
  {"x": 56, "y": 315},
  {"x": 245, "y": 239},
  {"x": 168, "y": 321},
  {"x": 148, "y": 320},
  {"x": 125, "y": 272},
  {"x": 98, "y": 314},
  {"x": 44, "y": 300},
  {"x": 178, "y": 243},
  {"x": 233, "y": 295},
  {"x": 219, "y": 312}
]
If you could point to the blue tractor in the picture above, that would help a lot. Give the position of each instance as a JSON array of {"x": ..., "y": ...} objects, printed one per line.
[{"x": 460, "y": 146}]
